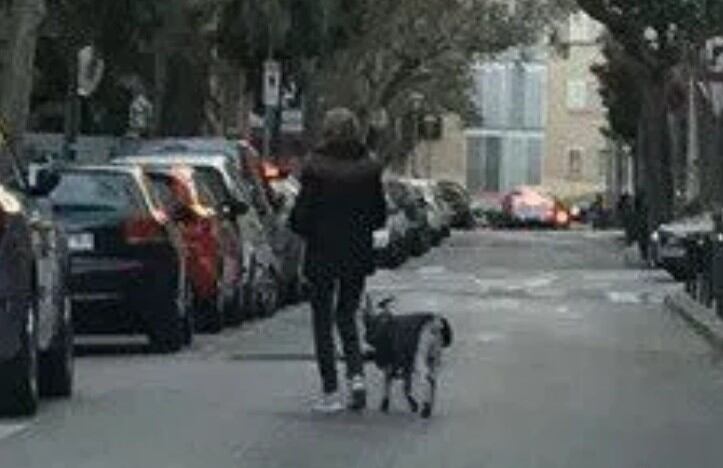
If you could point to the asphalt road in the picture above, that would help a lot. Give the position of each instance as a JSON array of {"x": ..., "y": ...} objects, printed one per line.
[{"x": 564, "y": 357}]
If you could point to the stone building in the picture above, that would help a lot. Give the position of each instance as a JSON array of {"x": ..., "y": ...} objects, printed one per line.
[{"x": 577, "y": 155}]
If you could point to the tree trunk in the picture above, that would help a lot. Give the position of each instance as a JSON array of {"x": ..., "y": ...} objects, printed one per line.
[
  {"x": 16, "y": 78},
  {"x": 707, "y": 151},
  {"x": 658, "y": 175},
  {"x": 184, "y": 97}
]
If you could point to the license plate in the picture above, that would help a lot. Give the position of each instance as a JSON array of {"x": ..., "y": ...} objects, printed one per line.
[
  {"x": 82, "y": 242},
  {"x": 529, "y": 213},
  {"x": 676, "y": 252}
]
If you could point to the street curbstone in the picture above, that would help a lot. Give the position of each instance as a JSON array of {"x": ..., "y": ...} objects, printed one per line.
[{"x": 702, "y": 320}]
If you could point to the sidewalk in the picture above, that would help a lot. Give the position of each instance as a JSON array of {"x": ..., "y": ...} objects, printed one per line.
[{"x": 702, "y": 320}]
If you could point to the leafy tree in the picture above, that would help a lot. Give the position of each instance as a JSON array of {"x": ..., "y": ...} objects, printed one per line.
[
  {"x": 619, "y": 94},
  {"x": 657, "y": 36},
  {"x": 401, "y": 48}
]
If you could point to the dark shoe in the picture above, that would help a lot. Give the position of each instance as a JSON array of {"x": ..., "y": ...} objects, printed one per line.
[
  {"x": 358, "y": 393},
  {"x": 426, "y": 410}
]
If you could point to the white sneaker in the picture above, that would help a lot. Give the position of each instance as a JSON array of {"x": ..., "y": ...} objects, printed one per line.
[{"x": 329, "y": 403}]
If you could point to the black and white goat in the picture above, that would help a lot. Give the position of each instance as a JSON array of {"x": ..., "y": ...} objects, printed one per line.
[{"x": 406, "y": 347}]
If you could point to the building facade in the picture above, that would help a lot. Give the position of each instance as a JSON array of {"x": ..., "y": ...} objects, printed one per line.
[
  {"x": 507, "y": 148},
  {"x": 577, "y": 155}
]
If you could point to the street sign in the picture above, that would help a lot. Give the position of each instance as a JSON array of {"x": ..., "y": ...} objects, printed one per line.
[
  {"x": 90, "y": 71},
  {"x": 140, "y": 116},
  {"x": 292, "y": 121},
  {"x": 272, "y": 83}
]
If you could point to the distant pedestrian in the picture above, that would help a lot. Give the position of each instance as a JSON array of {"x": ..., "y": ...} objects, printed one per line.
[
  {"x": 597, "y": 210},
  {"x": 626, "y": 217},
  {"x": 642, "y": 229},
  {"x": 340, "y": 205}
]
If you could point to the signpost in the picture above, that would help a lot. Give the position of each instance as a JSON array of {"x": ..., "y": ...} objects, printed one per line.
[
  {"x": 90, "y": 69},
  {"x": 272, "y": 98}
]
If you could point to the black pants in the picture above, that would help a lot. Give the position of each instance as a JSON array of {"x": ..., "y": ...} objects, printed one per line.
[{"x": 348, "y": 290}]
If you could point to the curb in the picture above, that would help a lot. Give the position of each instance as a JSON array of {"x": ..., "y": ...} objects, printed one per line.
[{"x": 701, "y": 319}]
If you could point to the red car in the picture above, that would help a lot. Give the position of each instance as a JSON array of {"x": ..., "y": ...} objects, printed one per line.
[
  {"x": 213, "y": 250},
  {"x": 526, "y": 206}
]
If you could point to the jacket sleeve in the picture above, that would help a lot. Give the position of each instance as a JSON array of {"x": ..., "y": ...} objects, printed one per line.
[
  {"x": 301, "y": 217},
  {"x": 379, "y": 202}
]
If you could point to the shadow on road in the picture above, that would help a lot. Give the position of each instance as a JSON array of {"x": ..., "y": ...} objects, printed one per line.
[{"x": 112, "y": 347}]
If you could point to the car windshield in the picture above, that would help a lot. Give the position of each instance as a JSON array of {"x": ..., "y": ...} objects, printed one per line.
[{"x": 97, "y": 191}]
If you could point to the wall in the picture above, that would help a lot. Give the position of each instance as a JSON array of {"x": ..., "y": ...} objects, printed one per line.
[{"x": 575, "y": 116}]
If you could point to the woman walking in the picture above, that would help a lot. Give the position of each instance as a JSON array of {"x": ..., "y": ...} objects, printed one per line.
[{"x": 340, "y": 205}]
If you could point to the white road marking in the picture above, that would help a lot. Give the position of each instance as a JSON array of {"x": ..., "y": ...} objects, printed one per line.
[
  {"x": 489, "y": 337},
  {"x": 624, "y": 297},
  {"x": 432, "y": 270},
  {"x": 9, "y": 430}
]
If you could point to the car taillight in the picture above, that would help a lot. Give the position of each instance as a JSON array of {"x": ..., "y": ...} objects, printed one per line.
[
  {"x": 562, "y": 217},
  {"x": 145, "y": 230}
]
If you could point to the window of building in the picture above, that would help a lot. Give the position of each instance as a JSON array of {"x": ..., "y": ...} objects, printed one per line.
[
  {"x": 574, "y": 163},
  {"x": 603, "y": 163},
  {"x": 576, "y": 95}
]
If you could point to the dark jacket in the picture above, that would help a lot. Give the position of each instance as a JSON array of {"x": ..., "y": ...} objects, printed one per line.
[{"x": 340, "y": 206}]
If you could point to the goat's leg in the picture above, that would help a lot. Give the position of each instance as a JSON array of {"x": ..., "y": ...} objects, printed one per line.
[{"x": 413, "y": 405}]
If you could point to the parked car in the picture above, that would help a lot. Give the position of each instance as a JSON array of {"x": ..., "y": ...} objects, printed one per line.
[
  {"x": 438, "y": 215},
  {"x": 260, "y": 265},
  {"x": 459, "y": 200},
  {"x": 287, "y": 246},
  {"x": 670, "y": 242},
  {"x": 487, "y": 210},
  {"x": 527, "y": 206},
  {"x": 284, "y": 191},
  {"x": 390, "y": 242},
  {"x": 128, "y": 269},
  {"x": 213, "y": 253},
  {"x": 249, "y": 172},
  {"x": 411, "y": 201},
  {"x": 36, "y": 330}
]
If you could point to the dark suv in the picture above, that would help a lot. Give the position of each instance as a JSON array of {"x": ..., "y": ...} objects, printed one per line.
[
  {"x": 36, "y": 333},
  {"x": 128, "y": 270}
]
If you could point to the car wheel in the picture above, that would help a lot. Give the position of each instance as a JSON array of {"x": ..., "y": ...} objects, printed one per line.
[
  {"x": 234, "y": 314},
  {"x": 57, "y": 364},
  {"x": 211, "y": 312},
  {"x": 168, "y": 333},
  {"x": 19, "y": 387},
  {"x": 268, "y": 294},
  {"x": 189, "y": 325}
]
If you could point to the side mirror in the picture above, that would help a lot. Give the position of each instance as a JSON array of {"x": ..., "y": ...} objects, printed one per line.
[
  {"x": 44, "y": 182},
  {"x": 234, "y": 208}
]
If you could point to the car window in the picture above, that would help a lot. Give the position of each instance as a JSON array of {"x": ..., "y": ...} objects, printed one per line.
[
  {"x": 160, "y": 188},
  {"x": 205, "y": 194},
  {"x": 213, "y": 180},
  {"x": 102, "y": 191}
]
